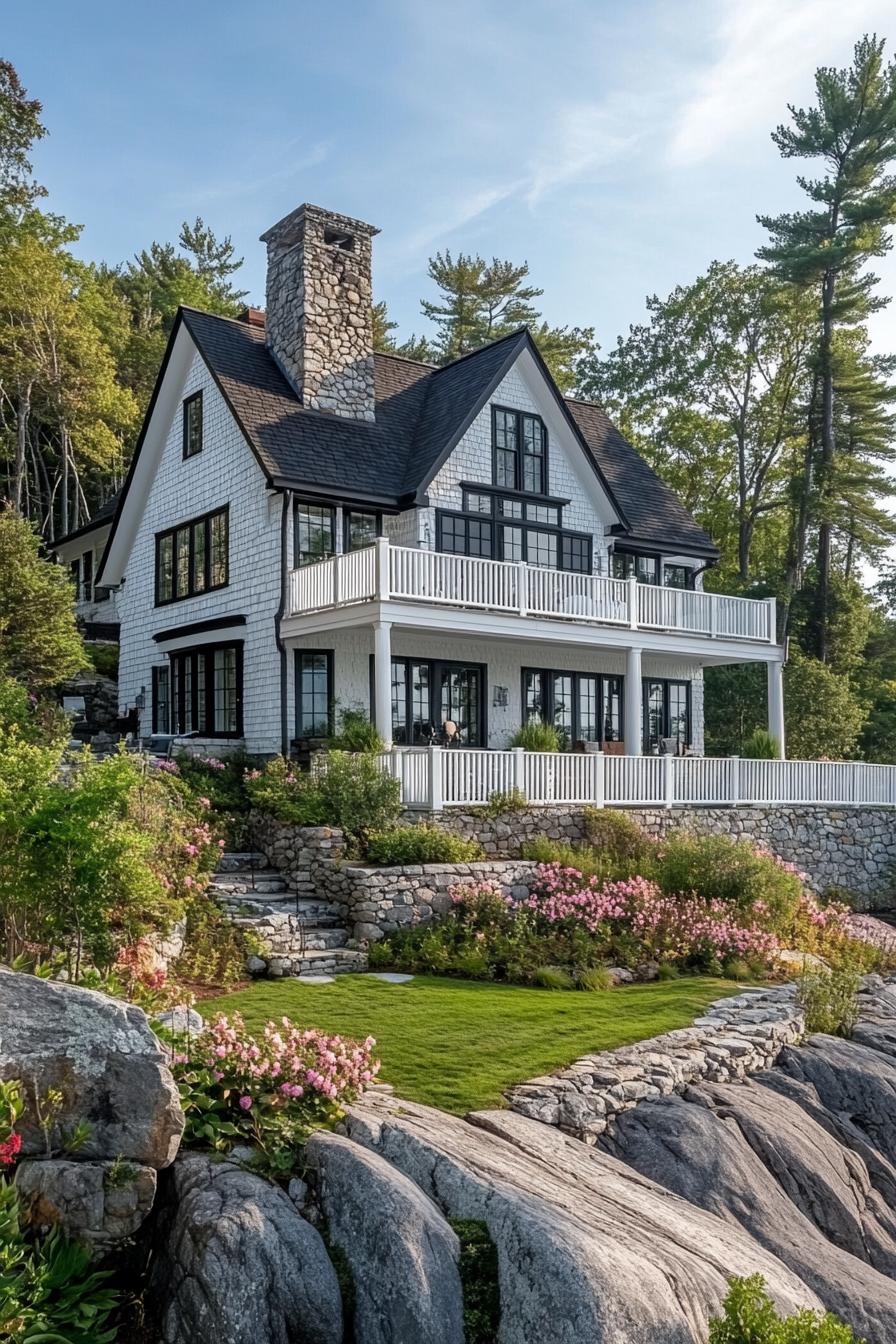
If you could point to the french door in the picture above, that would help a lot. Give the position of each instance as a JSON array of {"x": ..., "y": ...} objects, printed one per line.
[{"x": 427, "y": 694}]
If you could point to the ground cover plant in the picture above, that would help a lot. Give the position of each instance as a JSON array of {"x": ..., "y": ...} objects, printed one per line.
[
  {"x": 420, "y": 844},
  {"x": 458, "y": 1044}
]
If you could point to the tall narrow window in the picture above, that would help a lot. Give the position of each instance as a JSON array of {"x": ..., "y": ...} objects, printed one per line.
[
  {"x": 519, "y": 442},
  {"x": 533, "y": 474},
  {"x": 505, "y": 448},
  {"x": 193, "y": 425},
  {"x": 87, "y": 576},
  {"x": 314, "y": 693},
  {"x": 165, "y": 568},
  {"x": 225, "y": 690},
  {"x": 315, "y": 527},
  {"x": 219, "y": 550},
  {"x": 161, "y": 700}
]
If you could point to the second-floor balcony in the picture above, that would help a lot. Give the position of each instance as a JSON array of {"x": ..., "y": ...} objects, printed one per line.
[{"x": 388, "y": 573}]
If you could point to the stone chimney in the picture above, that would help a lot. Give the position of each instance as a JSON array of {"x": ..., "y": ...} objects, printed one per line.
[{"x": 319, "y": 324}]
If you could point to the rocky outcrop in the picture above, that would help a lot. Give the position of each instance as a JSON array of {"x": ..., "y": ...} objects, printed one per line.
[
  {"x": 589, "y": 1251},
  {"x": 735, "y": 1037},
  {"x": 236, "y": 1264},
  {"x": 97, "y": 1202},
  {"x": 103, "y": 1060},
  {"x": 401, "y": 1251}
]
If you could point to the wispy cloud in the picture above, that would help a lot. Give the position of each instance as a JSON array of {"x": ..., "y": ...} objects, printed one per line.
[
  {"x": 582, "y": 139},
  {"x": 206, "y": 193},
  {"x": 766, "y": 55}
]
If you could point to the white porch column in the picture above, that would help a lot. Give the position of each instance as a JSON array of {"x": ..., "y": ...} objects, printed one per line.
[
  {"x": 382, "y": 680},
  {"x": 633, "y": 696},
  {"x": 775, "y": 670}
]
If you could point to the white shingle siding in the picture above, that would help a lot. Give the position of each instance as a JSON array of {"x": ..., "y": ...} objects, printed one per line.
[
  {"x": 225, "y": 472},
  {"x": 505, "y": 661}
]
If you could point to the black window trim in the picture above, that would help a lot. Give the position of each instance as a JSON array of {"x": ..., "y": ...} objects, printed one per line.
[
  {"x": 208, "y": 651},
  {"x": 188, "y": 402},
  {"x": 497, "y": 521},
  {"x": 190, "y": 524},
  {"x": 518, "y": 469},
  {"x": 434, "y": 664},
  {"x": 346, "y": 525},
  {"x": 298, "y": 655},
  {"x": 666, "y": 682},
  {"x": 324, "y": 505},
  {"x": 600, "y": 677}
]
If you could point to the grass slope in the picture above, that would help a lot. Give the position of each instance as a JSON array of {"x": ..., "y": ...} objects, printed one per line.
[{"x": 458, "y": 1044}]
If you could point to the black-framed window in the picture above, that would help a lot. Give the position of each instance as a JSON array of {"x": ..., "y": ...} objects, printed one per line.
[
  {"x": 314, "y": 692},
  {"x": 314, "y": 532},
  {"x": 583, "y": 706},
  {"x": 507, "y": 534},
  {"x": 520, "y": 451},
  {"x": 625, "y": 564},
  {"x": 360, "y": 530},
  {"x": 667, "y": 711},
  {"x": 677, "y": 576},
  {"x": 425, "y": 693},
  {"x": 201, "y": 691},
  {"x": 193, "y": 558},
  {"x": 193, "y": 425},
  {"x": 461, "y": 535}
]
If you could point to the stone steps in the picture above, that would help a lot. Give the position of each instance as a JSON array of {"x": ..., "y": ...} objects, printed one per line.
[
  {"x": 234, "y": 862},
  {"x": 249, "y": 880}
]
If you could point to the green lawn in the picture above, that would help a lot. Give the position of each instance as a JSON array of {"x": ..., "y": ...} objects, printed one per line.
[{"x": 458, "y": 1044}]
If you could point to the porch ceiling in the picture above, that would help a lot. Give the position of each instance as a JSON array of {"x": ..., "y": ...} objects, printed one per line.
[{"x": 466, "y": 623}]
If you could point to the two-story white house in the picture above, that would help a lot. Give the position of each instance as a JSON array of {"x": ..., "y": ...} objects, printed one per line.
[{"x": 308, "y": 525}]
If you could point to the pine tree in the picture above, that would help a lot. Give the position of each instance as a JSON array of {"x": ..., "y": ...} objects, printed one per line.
[{"x": 852, "y": 131}]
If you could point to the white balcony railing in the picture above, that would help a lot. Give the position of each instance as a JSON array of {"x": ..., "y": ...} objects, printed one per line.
[
  {"x": 436, "y": 778},
  {"x": 400, "y": 573}
]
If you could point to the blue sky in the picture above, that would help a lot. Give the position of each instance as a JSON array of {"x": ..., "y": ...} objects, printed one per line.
[{"x": 616, "y": 147}]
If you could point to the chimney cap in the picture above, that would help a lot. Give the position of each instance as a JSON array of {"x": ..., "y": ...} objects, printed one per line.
[
  {"x": 253, "y": 317},
  {"x": 285, "y": 228}
]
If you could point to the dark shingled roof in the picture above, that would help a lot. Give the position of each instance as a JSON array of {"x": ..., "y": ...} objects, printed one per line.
[
  {"x": 103, "y": 516},
  {"x": 421, "y": 413}
]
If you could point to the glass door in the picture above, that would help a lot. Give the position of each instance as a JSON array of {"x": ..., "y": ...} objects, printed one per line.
[{"x": 461, "y": 701}]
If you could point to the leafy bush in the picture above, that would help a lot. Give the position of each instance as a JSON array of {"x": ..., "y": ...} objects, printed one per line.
[
  {"x": 760, "y": 746},
  {"x": 536, "y": 735},
  {"x": 356, "y": 733},
  {"x": 509, "y": 800},
  {"x": 586, "y": 859},
  {"x": 733, "y": 871},
  {"x": 47, "y": 1289},
  {"x": 218, "y": 782},
  {"x": 616, "y": 833},
  {"x": 420, "y": 844},
  {"x": 349, "y": 791},
  {"x": 479, "y": 1280},
  {"x": 39, "y": 640},
  {"x": 104, "y": 659},
  {"x": 750, "y": 1317},
  {"x": 829, "y": 1000},
  {"x": 94, "y": 861},
  {"x": 273, "y": 1091},
  {"x": 215, "y": 949}
]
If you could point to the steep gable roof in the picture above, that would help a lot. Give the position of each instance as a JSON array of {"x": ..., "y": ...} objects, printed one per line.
[{"x": 421, "y": 414}]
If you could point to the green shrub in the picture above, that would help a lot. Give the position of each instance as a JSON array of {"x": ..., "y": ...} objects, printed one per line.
[
  {"x": 749, "y": 1316},
  {"x": 587, "y": 859},
  {"x": 47, "y": 1288},
  {"x": 510, "y": 800},
  {"x": 536, "y": 735},
  {"x": 215, "y": 949},
  {"x": 420, "y": 844},
  {"x": 760, "y": 746},
  {"x": 720, "y": 868},
  {"x": 737, "y": 969},
  {"x": 618, "y": 834},
  {"x": 222, "y": 780},
  {"x": 667, "y": 971},
  {"x": 479, "y": 1281},
  {"x": 553, "y": 977},
  {"x": 356, "y": 733},
  {"x": 348, "y": 791},
  {"x": 829, "y": 1000},
  {"x": 104, "y": 659},
  {"x": 595, "y": 978}
]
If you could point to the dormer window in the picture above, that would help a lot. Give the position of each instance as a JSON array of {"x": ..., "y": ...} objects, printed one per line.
[
  {"x": 193, "y": 425},
  {"x": 519, "y": 443}
]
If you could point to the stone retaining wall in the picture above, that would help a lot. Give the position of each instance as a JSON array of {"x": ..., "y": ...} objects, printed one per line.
[
  {"x": 852, "y": 849},
  {"x": 377, "y": 901},
  {"x": 735, "y": 1037}
]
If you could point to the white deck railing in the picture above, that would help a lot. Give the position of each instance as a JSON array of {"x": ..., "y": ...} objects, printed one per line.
[
  {"x": 435, "y": 778},
  {"x": 401, "y": 573}
]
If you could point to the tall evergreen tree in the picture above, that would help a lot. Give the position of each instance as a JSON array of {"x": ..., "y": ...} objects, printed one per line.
[
  {"x": 852, "y": 131},
  {"x": 20, "y": 127}
]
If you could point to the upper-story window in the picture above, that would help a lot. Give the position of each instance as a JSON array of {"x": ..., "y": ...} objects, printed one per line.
[
  {"x": 193, "y": 425},
  {"x": 314, "y": 532},
  {"x": 192, "y": 558},
  {"x": 677, "y": 576},
  {"x": 520, "y": 447},
  {"x": 500, "y": 527},
  {"x": 647, "y": 569},
  {"x": 360, "y": 530}
]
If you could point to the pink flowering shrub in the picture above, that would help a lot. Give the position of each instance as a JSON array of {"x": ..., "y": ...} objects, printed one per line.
[{"x": 271, "y": 1090}]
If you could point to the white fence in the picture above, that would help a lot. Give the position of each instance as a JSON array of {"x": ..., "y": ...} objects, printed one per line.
[
  {"x": 435, "y": 778},
  {"x": 401, "y": 573}
]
